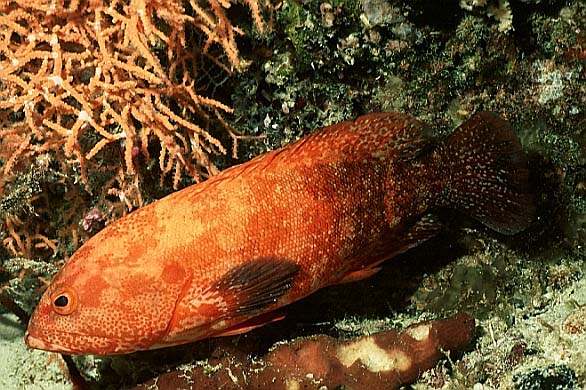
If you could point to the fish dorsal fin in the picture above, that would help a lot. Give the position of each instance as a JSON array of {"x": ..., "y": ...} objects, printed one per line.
[
  {"x": 384, "y": 136},
  {"x": 377, "y": 135},
  {"x": 249, "y": 288}
]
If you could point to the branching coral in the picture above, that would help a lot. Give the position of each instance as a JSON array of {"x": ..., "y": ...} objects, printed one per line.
[
  {"x": 85, "y": 80},
  {"x": 91, "y": 68}
]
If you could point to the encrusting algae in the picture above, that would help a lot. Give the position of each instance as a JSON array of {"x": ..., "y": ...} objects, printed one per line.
[{"x": 385, "y": 360}]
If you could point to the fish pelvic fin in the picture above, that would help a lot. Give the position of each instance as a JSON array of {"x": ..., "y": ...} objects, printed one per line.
[{"x": 485, "y": 174}]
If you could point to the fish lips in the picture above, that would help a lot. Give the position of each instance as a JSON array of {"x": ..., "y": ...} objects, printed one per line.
[{"x": 74, "y": 344}]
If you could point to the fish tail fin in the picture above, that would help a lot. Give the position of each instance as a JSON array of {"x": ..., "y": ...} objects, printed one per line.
[{"x": 487, "y": 175}]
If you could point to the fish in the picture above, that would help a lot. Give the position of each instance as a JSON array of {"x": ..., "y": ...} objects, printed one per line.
[{"x": 218, "y": 258}]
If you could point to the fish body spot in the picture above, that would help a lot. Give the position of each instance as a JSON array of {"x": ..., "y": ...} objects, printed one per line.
[{"x": 173, "y": 273}]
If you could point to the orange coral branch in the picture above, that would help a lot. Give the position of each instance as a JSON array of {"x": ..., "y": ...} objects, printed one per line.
[
  {"x": 80, "y": 79},
  {"x": 88, "y": 66}
]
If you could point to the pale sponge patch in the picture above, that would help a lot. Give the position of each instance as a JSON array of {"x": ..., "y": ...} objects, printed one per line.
[
  {"x": 419, "y": 333},
  {"x": 373, "y": 357},
  {"x": 292, "y": 385}
]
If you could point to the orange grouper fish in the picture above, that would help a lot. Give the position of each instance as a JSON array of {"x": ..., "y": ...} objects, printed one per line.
[{"x": 217, "y": 258}]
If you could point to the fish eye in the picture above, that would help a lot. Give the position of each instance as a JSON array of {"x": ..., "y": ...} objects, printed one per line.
[
  {"x": 61, "y": 301},
  {"x": 64, "y": 301}
]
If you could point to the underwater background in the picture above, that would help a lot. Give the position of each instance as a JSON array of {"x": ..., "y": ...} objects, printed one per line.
[{"x": 313, "y": 64}]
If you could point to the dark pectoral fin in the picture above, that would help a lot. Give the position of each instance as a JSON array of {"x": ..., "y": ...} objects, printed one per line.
[{"x": 249, "y": 288}]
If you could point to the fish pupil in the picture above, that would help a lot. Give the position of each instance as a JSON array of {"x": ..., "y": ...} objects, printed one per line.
[{"x": 61, "y": 301}]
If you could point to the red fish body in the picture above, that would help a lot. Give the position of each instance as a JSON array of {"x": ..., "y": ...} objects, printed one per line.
[{"x": 219, "y": 257}]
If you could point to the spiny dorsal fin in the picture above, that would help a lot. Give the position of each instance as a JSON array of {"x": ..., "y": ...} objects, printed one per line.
[
  {"x": 377, "y": 135},
  {"x": 249, "y": 288}
]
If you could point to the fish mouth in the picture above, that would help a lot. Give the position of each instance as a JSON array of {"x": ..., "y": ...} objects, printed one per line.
[
  {"x": 36, "y": 343},
  {"x": 77, "y": 344}
]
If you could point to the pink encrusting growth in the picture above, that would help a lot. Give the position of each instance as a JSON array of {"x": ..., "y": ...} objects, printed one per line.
[
  {"x": 218, "y": 258},
  {"x": 385, "y": 360}
]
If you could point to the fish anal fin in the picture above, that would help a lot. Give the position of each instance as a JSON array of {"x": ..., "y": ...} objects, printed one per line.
[
  {"x": 422, "y": 230},
  {"x": 253, "y": 323},
  {"x": 425, "y": 228},
  {"x": 360, "y": 274},
  {"x": 249, "y": 288}
]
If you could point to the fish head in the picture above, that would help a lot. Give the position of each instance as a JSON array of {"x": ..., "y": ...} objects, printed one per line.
[{"x": 104, "y": 302}]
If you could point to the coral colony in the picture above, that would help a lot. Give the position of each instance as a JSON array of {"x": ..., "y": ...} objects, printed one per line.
[
  {"x": 77, "y": 79},
  {"x": 86, "y": 87}
]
